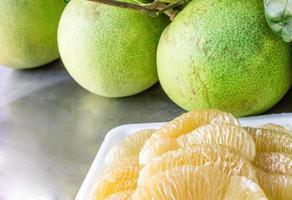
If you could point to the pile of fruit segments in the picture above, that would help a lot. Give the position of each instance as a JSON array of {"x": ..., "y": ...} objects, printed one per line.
[{"x": 203, "y": 154}]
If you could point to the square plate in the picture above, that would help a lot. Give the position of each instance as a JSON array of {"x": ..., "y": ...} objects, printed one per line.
[{"x": 117, "y": 135}]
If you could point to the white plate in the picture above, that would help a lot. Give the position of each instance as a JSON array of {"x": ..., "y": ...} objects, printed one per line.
[{"x": 117, "y": 134}]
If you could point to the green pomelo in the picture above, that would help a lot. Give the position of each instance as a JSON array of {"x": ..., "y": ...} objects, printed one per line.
[
  {"x": 109, "y": 51},
  {"x": 28, "y": 32},
  {"x": 222, "y": 54}
]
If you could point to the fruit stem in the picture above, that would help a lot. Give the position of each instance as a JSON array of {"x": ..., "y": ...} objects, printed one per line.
[
  {"x": 153, "y": 9},
  {"x": 144, "y": 9},
  {"x": 167, "y": 1}
]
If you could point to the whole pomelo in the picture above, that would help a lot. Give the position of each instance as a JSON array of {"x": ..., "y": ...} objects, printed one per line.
[
  {"x": 28, "y": 32},
  {"x": 222, "y": 54},
  {"x": 109, "y": 51}
]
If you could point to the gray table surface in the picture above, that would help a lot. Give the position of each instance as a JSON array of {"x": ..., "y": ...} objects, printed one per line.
[{"x": 51, "y": 129}]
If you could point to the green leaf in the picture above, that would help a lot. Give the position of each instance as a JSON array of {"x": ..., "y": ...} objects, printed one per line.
[{"x": 279, "y": 17}]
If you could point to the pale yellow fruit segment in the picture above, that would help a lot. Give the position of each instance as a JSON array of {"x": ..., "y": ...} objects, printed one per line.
[
  {"x": 154, "y": 147},
  {"x": 276, "y": 127},
  {"x": 231, "y": 136},
  {"x": 188, "y": 182},
  {"x": 192, "y": 120},
  {"x": 126, "y": 195},
  {"x": 274, "y": 163},
  {"x": 118, "y": 177},
  {"x": 131, "y": 146},
  {"x": 224, "y": 158},
  {"x": 270, "y": 140},
  {"x": 163, "y": 139},
  {"x": 276, "y": 187},
  {"x": 241, "y": 188}
]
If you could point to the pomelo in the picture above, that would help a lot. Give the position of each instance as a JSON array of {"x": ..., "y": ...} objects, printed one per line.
[
  {"x": 109, "y": 51},
  {"x": 28, "y": 32},
  {"x": 222, "y": 54}
]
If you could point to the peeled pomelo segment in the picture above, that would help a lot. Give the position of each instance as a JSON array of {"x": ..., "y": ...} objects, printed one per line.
[
  {"x": 182, "y": 183},
  {"x": 189, "y": 182},
  {"x": 241, "y": 188},
  {"x": 112, "y": 188},
  {"x": 131, "y": 146},
  {"x": 275, "y": 127},
  {"x": 231, "y": 136},
  {"x": 154, "y": 147},
  {"x": 126, "y": 195},
  {"x": 274, "y": 163},
  {"x": 270, "y": 140},
  {"x": 123, "y": 165},
  {"x": 192, "y": 120},
  {"x": 276, "y": 187},
  {"x": 120, "y": 176},
  {"x": 223, "y": 158}
]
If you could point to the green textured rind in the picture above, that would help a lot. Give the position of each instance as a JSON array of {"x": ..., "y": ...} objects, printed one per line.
[
  {"x": 109, "y": 51},
  {"x": 222, "y": 54},
  {"x": 28, "y": 32}
]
